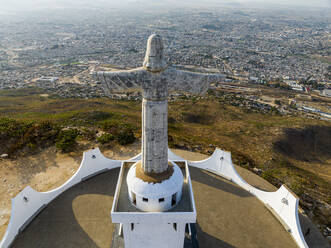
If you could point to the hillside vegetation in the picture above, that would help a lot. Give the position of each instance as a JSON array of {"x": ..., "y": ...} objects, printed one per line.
[{"x": 282, "y": 149}]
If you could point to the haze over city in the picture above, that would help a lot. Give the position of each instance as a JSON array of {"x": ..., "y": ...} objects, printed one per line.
[{"x": 30, "y": 5}]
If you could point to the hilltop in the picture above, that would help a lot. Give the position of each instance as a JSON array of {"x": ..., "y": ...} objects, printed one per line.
[{"x": 282, "y": 149}]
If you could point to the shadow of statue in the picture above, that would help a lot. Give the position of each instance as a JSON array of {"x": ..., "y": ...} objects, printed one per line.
[
  {"x": 217, "y": 182},
  {"x": 207, "y": 241},
  {"x": 310, "y": 144},
  {"x": 311, "y": 234},
  {"x": 76, "y": 218}
]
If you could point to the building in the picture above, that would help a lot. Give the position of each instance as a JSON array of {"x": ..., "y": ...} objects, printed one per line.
[
  {"x": 47, "y": 79},
  {"x": 326, "y": 92},
  {"x": 294, "y": 85}
]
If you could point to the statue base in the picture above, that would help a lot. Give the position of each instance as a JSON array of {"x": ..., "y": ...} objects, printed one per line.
[
  {"x": 140, "y": 228},
  {"x": 157, "y": 195},
  {"x": 190, "y": 240}
]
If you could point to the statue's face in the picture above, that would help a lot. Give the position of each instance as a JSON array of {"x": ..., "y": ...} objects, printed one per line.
[
  {"x": 155, "y": 46},
  {"x": 154, "y": 60}
]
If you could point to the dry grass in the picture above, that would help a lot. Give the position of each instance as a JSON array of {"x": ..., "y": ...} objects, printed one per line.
[{"x": 254, "y": 139}]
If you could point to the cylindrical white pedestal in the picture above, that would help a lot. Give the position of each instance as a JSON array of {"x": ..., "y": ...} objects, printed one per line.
[{"x": 155, "y": 197}]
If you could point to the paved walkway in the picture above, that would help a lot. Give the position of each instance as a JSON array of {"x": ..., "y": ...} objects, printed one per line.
[
  {"x": 80, "y": 217},
  {"x": 314, "y": 239},
  {"x": 227, "y": 217}
]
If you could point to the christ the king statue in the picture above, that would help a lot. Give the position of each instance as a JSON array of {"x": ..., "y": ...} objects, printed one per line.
[{"x": 156, "y": 78}]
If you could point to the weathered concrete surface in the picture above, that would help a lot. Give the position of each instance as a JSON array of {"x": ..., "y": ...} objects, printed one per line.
[
  {"x": 154, "y": 136},
  {"x": 228, "y": 216}
]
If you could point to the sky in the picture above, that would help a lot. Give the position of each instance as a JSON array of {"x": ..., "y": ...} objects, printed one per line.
[
  {"x": 303, "y": 3},
  {"x": 10, "y": 6}
]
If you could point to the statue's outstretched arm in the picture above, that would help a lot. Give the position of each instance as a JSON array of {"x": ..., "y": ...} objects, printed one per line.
[
  {"x": 122, "y": 79},
  {"x": 192, "y": 82}
]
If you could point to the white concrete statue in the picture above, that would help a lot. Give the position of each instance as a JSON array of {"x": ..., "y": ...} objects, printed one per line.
[{"x": 156, "y": 78}]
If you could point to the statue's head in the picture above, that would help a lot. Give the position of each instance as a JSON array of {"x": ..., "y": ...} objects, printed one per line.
[{"x": 154, "y": 60}]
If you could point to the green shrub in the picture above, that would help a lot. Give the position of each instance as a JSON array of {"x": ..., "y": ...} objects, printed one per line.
[
  {"x": 297, "y": 187},
  {"x": 66, "y": 140},
  {"x": 122, "y": 132},
  {"x": 125, "y": 137},
  {"x": 268, "y": 175},
  {"x": 105, "y": 138},
  {"x": 46, "y": 131},
  {"x": 115, "y": 126},
  {"x": 11, "y": 128},
  {"x": 88, "y": 134},
  {"x": 16, "y": 135}
]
